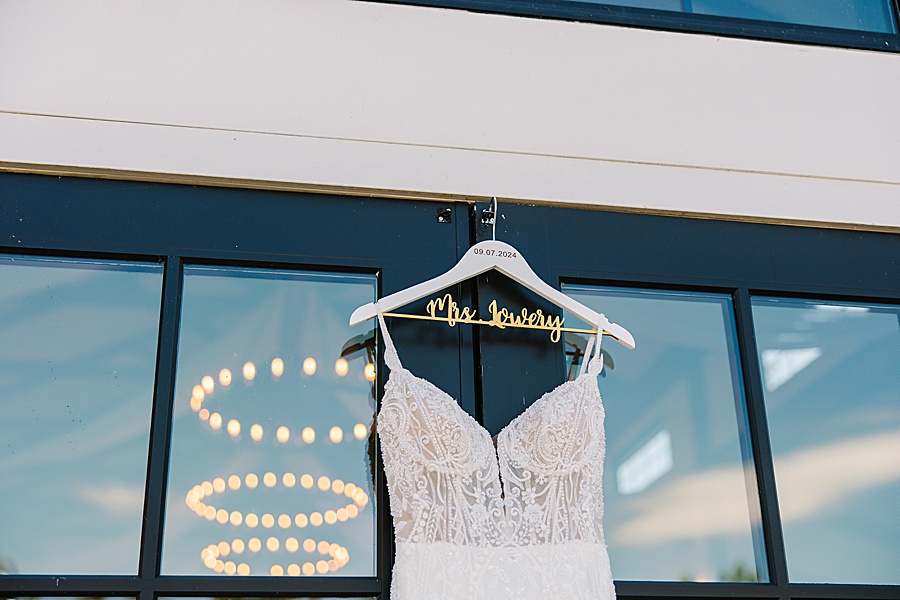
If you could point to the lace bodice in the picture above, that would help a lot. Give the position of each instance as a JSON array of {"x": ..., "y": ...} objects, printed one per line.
[{"x": 523, "y": 520}]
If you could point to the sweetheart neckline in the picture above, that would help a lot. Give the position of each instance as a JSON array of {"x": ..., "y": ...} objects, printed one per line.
[{"x": 481, "y": 428}]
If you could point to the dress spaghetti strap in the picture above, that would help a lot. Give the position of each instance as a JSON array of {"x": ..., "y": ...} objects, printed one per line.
[
  {"x": 595, "y": 365},
  {"x": 391, "y": 358}
]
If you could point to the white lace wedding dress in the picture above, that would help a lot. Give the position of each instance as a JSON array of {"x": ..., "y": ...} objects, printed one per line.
[{"x": 467, "y": 526}]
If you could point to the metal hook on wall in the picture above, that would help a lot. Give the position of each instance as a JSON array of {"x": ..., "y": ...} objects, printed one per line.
[{"x": 489, "y": 217}]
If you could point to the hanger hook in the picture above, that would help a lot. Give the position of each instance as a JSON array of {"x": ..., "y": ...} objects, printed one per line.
[{"x": 494, "y": 223}]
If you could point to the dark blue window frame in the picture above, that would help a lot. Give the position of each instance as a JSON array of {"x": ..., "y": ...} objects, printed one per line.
[{"x": 665, "y": 20}]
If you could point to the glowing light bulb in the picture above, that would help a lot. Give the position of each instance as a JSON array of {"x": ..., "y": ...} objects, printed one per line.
[
  {"x": 207, "y": 488},
  {"x": 251, "y": 480},
  {"x": 293, "y": 570},
  {"x": 224, "y": 549},
  {"x": 256, "y": 432},
  {"x": 236, "y": 518},
  {"x": 222, "y": 516},
  {"x": 283, "y": 434},
  {"x": 234, "y": 482},
  {"x": 309, "y": 366},
  {"x": 208, "y": 384},
  {"x": 272, "y": 544},
  {"x": 215, "y": 421},
  {"x": 369, "y": 372},
  {"x": 230, "y": 568},
  {"x": 203, "y": 414},
  {"x": 243, "y": 569},
  {"x": 249, "y": 371},
  {"x": 336, "y": 434},
  {"x": 237, "y": 546},
  {"x": 269, "y": 479},
  {"x": 330, "y": 517},
  {"x": 308, "y": 435},
  {"x": 277, "y": 367},
  {"x": 254, "y": 544},
  {"x": 324, "y": 483},
  {"x": 321, "y": 567},
  {"x": 251, "y": 520},
  {"x": 276, "y": 571},
  {"x": 284, "y": 521},
  {"x": 197, "y": 393},
  {"x": 349, "y": 490},
  {"x": 360, "y": 431},
  {"x": 309, "y": 568},
  {"x": 234, "y": 428},
  {"x": 218, "y": 485},
  {"x": 323, "y": 547},
  {"x": 315, "y": 519},
  {"x": 306, "y": 480},
  {"x": 225, "y": 377},
  {"x": 352, "y": 511},
  {"x": 291, "y": 544},
  {"x": 219, "y": 567},
  {"x": 337, "y": 486},
  {"x": 195, "y": 404},
  {"x": 342, "y": 514},
  {"x": 341, "y": 366},
  {"x": 268, "y": 521},
  {"x": 289, "y": 480},
  {"x": 301, "y": 520},
  {"x": 210, "y": 513},
  {"x": 332, "y": 550},
  {"x": 309, "y": 545}
]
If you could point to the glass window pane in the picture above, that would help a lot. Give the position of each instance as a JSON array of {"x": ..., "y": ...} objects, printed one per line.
[
  {"x": 77, "y": 362},
  {"x": 831, "y": 375},
  {"x": 271, "y": 463},
  {"x": 680, "y": 490},
  {"x": 860, "y": 15},
  {"x": 294, "y": 598}
]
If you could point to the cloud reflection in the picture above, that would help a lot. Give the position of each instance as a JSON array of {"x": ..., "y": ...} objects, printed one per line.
[
  {"x": 115, "y": 498},
  {"x": 809, "y": 481}
]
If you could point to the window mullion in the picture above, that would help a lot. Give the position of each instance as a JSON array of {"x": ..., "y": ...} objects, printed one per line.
[
  {"x": 759, "y": 437},
  {"x": 160, "y": 428}
]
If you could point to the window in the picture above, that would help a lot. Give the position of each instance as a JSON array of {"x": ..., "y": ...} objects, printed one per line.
[
  {"x": 680, "y": 500},
  {"x": 186, "y": 404},
  {"x": 851, "y": 23},
  {"x": 271, "y": 470},
  {"x": 78, "y": 342},
  {"x": 832, "y": 393}
]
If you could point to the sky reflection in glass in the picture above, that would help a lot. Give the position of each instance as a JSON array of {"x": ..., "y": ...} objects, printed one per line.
[
  {"x": 679, "y": 484},
  {"x": 831, "y": 375},
  {"x": 77, "y": 362}
]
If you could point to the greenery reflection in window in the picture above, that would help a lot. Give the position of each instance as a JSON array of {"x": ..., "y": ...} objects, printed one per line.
[{"x": 271, "y": 468}]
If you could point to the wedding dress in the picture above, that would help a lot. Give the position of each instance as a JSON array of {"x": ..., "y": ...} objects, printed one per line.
[{"x": 521, "y": 521}]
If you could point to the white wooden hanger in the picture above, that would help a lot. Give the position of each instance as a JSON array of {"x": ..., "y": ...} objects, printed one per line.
[{"x": 482, "y": 257}]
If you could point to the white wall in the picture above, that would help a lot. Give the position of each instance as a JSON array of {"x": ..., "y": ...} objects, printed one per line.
[{"x": 411, "y": 101}]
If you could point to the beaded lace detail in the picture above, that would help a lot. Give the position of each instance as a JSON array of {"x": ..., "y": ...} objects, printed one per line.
[{"x": 523, "y": 520}]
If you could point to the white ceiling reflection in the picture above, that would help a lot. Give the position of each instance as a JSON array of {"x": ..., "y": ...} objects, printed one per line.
[
  {"x": 650, "y": 462},
  {"x": 780, "y": 366}
]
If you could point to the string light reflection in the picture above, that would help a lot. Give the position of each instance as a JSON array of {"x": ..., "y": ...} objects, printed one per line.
[
  {"x": 276, "y": 532},
  {"x": 211, "y": 556}
]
